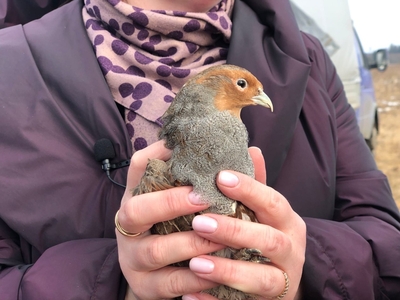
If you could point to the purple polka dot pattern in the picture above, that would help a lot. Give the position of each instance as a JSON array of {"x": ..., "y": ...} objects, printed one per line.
[
  {"x": 168, "y": 98},
  {"x": 142, "y": 35},
  {"x": 169, "y": 52},
  {"x": 118, "y": 69},
  {"x": 155, "y": 39},
  {"x": 176, "y": 35},
  {"x": 209, "y": 60},
  {"x": 163, "y": 71},
  {"x": 114, "y": 24},
  {"x": 224, "y": 23},
  {"x": 147, "y": 55},
  {"x": 105, "y": 64},
  {"x": 131, "y": 116},
  {"x": 191, "y": 47},
  {"x": 136, "y": 105},
  {"x": 133, "y": 70},
  {"x": 192, "y": 25},
  {"x": 131, "y": 130},
  {"x": 180, "y": 73},
  {"x": 213, "y": 16},
  {"x": 113, "y": 2},
  {"x": 119, "y": 47},
  {"x": 164, "y": 83},
  {"x": 139, "y": 18},
  {"x": 128, "y": 28},
  {"x": 142, "y": 90},
  {"x": 142, "y": 59},
  {"x": 125, "y": 89},
  {"x": 139, "y": 143},
  {"x": 98, "y": 40},
  {"x": 97, "y": 12}
]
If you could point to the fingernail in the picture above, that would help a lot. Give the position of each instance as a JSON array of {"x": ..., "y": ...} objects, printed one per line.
[
  {"x": 195, "y": 199},
  {"x": 201, "y": 265},
  {"x": 189, "y": 297},
  {"x": 256, "y": 148},
  {"x": 228, "y": 179},
  {"x": 204, "y": 224}
]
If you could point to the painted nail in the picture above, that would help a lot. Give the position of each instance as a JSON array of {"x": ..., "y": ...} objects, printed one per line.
[
  {"x": 189, "y": 297},
  {"x": 256, "y": 148},
  {"x": 201, "y": 265},
  {"x": 195, "y": 199},
  {"x": 204, "y": 224},
  {"x": 228, "y": 179}
]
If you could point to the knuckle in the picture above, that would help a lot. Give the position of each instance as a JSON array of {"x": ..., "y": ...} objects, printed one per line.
[
  {"x": 267, "y": 283},
  {"x": 278, "y": 243},
  {"x": 172, "y": 200},
  {"x": 130, "y": 210},
  {"x": 155, "y": 252},
  {"x": 124, "y": 215},
  {"x": 250, "y": 187},
  {"x": 275, "y": 201},
  {"x": 137, "y": 160},
  {"x": 229, "y": 273},
  {"x": 176, "y": 286},
  {"x": 197, "y": 244},
  {"x": 233, "y": 231}
]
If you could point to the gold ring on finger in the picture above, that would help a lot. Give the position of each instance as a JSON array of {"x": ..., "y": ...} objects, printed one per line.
[
  {"x": 122, "y": 230},
  {"x": 285, "y": 289}
]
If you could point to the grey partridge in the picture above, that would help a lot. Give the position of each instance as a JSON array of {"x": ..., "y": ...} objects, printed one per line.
[{"x": 203, "y": 129}]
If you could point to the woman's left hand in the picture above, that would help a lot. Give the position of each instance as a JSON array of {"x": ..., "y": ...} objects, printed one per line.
[{"x": 280, "y": 236}]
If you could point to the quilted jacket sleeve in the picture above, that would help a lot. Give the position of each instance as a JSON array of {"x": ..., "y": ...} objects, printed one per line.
[
  {"x": 79, "y": 269},
  {"x": 356, "y": 255},
  {"x": 57, "y": 235}
]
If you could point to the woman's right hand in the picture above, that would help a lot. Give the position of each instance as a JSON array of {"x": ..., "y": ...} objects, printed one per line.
[{"x": 145, "y": 260}]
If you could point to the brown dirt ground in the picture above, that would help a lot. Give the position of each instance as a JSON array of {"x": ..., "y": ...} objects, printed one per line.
[{"x": 387, "y": 153}]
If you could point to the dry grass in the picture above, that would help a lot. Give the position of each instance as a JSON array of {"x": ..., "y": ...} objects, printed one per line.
[{"x": 387, "y": 154}]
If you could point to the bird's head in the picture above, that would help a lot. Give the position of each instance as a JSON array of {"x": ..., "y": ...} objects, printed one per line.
[{"x": 234, "y": 87}]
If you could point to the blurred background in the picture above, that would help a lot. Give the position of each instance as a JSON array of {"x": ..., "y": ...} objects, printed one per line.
[
  {"x": 362, "y": 37},
  {"x": 378, "y": 26}
]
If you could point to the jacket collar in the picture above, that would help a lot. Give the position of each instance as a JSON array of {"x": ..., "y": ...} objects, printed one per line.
[{"x": 266, "y": 41}]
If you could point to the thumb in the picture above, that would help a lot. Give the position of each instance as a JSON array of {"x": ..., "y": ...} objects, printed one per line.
[
  {"x": 139, "y": 162},
  {"x": 259, "y": 164}
]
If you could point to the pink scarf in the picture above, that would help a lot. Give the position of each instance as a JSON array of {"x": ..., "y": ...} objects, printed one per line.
[{"x": 146, "y": 56}]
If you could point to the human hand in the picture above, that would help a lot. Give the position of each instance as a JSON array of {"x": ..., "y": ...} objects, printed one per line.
[
  {"x": 145, "y": 260},
  {"x": 280, "y": 235}
]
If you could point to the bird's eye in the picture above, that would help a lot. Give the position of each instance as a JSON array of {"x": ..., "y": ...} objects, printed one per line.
[{"x": 242, "y": 83}]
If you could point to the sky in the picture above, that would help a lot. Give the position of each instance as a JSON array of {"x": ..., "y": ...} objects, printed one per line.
[{"x": 377, "y": 22}]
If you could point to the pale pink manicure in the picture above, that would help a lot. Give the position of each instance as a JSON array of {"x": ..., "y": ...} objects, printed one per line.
[
  {"x": 204, "y": 224},
  {"x": 228, "y": 179},
  {"x": 201, "y": 265}
]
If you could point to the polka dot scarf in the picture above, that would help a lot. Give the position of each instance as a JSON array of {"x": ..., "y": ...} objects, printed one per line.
[{"x": 147, "y": 55}]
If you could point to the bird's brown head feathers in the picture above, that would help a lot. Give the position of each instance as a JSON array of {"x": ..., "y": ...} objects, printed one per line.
[
  {"x": 235, "y": 88},
  {"x": 225, "y": 88}
]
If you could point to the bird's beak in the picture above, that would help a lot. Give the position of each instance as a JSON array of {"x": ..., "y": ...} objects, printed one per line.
[{"x": 263, "y": 99}]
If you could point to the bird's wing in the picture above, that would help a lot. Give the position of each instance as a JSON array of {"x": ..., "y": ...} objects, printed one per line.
[{"x": 157, "y": 177}]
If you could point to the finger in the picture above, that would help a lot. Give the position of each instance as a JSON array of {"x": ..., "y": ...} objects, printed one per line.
[
  {"x": 139, "y": 162},
  {"x": 260, "y": 172},
  {"x": 140, "y": 212},
  {"x": 266, "y": 280},
  {"x": 269, "y": 205},
  {"x": 157, "y": 251},
  {"x": 239, "y": 234},
  {"x": 166, "y": 283}
]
